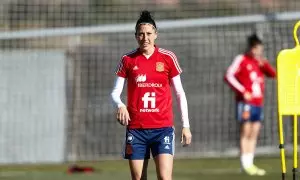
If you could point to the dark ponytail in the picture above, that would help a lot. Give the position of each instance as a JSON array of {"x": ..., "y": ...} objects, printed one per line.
[
  {"x": 145, "y": 17},
  {"x": 253, "y": 40}
]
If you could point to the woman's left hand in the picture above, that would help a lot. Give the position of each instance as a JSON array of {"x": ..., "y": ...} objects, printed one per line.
[{"x": 186, "y": 136}]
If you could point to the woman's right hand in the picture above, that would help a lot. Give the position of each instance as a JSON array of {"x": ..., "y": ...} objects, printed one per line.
[
  {"x": 247, "y": 96},
  {"x": 123, "y": 115}
]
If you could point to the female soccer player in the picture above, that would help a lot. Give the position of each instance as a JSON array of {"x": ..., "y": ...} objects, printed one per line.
[
  {"x": 246, "y": 76},
  {"x": 150, "y": 71}
]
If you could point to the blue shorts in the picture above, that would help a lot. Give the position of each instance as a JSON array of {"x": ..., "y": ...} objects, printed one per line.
[
  {"x": 255, "y": 113},
  {"x": 139, "y": 143}
]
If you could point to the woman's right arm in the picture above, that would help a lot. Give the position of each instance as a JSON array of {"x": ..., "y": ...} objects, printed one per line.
[
  {"x": 117, "y": 91},
  {"x": 122, "y": 113}
]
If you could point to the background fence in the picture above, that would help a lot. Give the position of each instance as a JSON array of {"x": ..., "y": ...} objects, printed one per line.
[{"x": 77, "y": 45}]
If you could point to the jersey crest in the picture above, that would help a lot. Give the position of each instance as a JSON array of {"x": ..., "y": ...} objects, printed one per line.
[{"x": 159, "y": 66}]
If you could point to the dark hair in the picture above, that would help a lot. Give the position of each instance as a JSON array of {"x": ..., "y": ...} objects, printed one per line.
[
  {"x": 253, "y": 40},
  {"x": 145, "y": 17}
]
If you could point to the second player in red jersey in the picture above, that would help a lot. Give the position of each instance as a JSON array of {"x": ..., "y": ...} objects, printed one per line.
[
  {"x": 149, "y": 100},
  {"x": 246, "y": 75}
]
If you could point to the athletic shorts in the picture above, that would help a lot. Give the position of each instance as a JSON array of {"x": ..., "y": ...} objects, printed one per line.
[
  {"x": 249, "y": 113},
  {"x": 140, "y": 142}
]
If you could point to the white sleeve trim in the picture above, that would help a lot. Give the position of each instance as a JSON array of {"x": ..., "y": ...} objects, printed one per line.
[
  {"x": 181, "y": 100},
  {"x": 232, "y": 70},
  {"x": 116, "y": 92}
]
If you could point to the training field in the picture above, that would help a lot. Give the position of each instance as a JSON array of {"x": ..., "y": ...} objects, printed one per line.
[{"x": 190, "y": 169}]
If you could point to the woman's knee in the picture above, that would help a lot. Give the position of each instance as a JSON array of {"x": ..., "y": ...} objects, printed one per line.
[
  {"x": 165, "y": 177},
  {"x": 138, "y": 169},
  {"x": 164, "y": 166}
]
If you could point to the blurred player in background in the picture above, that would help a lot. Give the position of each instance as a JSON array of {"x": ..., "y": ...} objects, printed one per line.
[
  {"x": 150, "y": 73},
  {"x": 246, "y": 77}
]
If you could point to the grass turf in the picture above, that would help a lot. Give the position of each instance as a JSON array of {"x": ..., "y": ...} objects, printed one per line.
[{"x": 184, "y": 169}]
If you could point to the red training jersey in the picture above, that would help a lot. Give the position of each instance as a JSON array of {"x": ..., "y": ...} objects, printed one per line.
[
  {"x": 149, "y": 97},
  {"x": 246, "y": 74}
]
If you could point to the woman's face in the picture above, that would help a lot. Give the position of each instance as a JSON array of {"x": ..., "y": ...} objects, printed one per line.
[
  {"x": 258, "y": 51},
  {"x": 145, "y": 36}
]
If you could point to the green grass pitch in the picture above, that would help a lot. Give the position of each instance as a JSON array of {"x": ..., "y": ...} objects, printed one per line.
[{"x": 184, "y": 169}]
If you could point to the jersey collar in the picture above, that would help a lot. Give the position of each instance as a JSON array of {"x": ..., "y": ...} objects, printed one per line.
[{"x": 154, "y": 53}]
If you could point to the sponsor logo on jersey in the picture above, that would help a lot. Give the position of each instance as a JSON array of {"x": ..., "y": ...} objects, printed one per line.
[
  {"x": 135, "y": 68},
  {"x": 149, "y": 85},
  {"x": 149, "y": 99},
  {"x": 141, "y": 82},
  {"x": 141, "y": 78}
]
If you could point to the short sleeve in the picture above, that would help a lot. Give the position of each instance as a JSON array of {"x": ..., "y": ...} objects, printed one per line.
[
  {"x": 174, "y": 65},
  {"x": 121, "y": 68}
]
